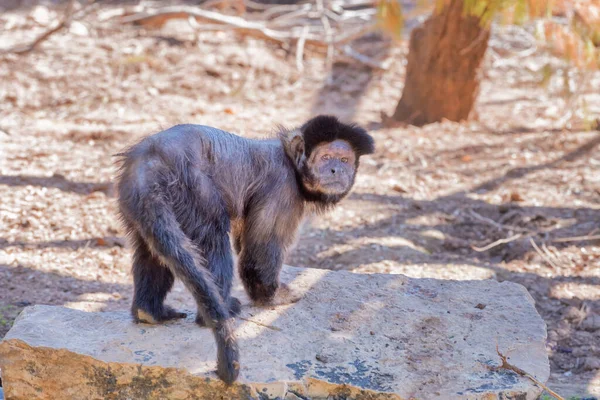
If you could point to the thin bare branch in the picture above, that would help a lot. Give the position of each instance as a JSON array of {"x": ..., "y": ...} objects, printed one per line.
[
  {"x": 350, "y": 52},
  {"x": 261, "y": 324},
  {"x": 300, "y": 50},
  {"x": 43, "y": 37},
  {"x": 497, "y": 243},
  {"x": 239, "y": 24},
  {"x": 496, "y": 224},
  {"x": 519, "y": 371},
  {"x": 576, "y": 239},
  {"x": 542, "y": 254}
]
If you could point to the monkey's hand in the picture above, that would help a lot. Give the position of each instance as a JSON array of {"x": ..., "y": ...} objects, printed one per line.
[{"x": 284, "y": 295}]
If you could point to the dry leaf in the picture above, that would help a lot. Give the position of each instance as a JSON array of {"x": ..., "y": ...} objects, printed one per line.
[
  {"x": 398, "y": 188},
  {"x": 514, "y": 196}
]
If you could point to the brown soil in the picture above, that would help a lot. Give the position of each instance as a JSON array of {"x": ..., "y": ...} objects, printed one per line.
[{"x": 420, "y": 206}]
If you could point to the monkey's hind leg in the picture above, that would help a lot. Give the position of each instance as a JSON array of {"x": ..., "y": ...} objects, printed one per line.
[
  {"x": 219, "y": 262},
  {"x": 151, "y": 281},
  {"x": 260, "y": 265},
  {"x": 235, "y": 308}
]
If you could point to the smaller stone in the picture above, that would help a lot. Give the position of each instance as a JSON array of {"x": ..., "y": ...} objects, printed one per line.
[
  {"x": 480, "y": 306},
  {"x": 563, "y": 330},
  {"x": 322, "y": 357},
  {"x": 591, "y": 322},
  {"x": 41, "y": 15},
  {"x": 79, "y": 29},
  {"x": 573, "y": 314},
  {"x": 591, "y": 363},
  {"x": 328, "y": 355}
]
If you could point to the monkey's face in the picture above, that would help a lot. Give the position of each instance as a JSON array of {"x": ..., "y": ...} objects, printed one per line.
[{"x": 331, "y": 168}]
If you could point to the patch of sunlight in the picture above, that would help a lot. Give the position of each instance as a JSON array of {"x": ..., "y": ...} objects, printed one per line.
[
  {"x": 463, "y": 272},
  {"x": 568, "y": 290},
  {"x": 378, "y": 243},
  {"x": 265, "y": 319},
  {"x": 92, "y": 302}
]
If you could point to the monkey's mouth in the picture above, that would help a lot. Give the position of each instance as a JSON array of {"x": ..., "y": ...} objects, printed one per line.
[{"x": 333, "y": 185}]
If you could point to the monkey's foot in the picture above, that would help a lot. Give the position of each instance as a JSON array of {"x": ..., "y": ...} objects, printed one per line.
[
  {"x": 167, "y": 314},
  {"x": 170, "y": 313},
  {"x": 284, "y": 295},
  {"x": 235, "y": 307}
]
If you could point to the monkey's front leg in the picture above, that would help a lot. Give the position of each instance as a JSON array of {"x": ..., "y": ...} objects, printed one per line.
[{"x": 260, "y": 265}]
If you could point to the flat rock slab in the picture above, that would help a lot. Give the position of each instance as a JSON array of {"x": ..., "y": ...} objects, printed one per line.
[{"x": 353, "y": 336}]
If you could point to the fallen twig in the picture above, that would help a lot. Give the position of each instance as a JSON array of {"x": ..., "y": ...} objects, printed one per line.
[
  {"x": 497, "y": 243},
  {"x": 43, "y": 37},
  {"x": 542, "y": 254},
  {"x": 350, "y": 52},
  {"x": 576, "y": 238},
  {"x": 239, "y": 24},
  {"x": 304, "y": 24},
  {"x": 270, "y": 11},
  {"x": 261, "y": 324},
  {"x": 300, "y": 50},
  {"x": 519, "y": 371},
  {"x": 349, "y": 37},
  {"x": 289, "y": 16},
  {"x": 497, "y": 225},
  {"x": 551, "y": 254},
  {"x": 328, "y": 33}
]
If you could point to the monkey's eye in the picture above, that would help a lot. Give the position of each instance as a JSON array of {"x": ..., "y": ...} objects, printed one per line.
[
  {"x": 326, "y": 157},
  {"x": 344, "y": 159}
]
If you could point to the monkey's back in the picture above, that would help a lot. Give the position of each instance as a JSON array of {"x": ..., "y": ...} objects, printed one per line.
[{"x": 219, "y": 165}]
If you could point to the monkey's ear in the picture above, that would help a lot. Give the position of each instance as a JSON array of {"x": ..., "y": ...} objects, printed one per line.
[{"x": 293, "y": 143}]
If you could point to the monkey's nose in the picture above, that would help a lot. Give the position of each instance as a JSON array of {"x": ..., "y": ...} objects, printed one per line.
[{"x": 333, "y": 171}]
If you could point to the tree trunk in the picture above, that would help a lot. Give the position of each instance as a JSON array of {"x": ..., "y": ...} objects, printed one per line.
[{"x": 442, "y": 72}]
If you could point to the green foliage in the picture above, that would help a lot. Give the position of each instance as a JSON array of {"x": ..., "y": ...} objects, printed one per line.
[
  {"x": 390, "y": 17},
  {"x": 548, "y": 397},
  {"x": 5, "y": 312}
]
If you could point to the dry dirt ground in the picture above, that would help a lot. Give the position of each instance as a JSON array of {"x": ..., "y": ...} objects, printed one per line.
[{"x": 426, "y": 204}]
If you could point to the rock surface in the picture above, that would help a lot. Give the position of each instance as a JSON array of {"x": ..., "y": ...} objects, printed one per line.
[{"x": 353, "y": 336}]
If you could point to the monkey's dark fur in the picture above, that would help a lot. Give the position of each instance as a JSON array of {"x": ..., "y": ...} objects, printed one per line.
[{"x": 184, "y": 190}]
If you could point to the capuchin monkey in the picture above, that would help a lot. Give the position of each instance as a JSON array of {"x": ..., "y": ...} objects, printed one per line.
[{"x": 183, "y": 191}]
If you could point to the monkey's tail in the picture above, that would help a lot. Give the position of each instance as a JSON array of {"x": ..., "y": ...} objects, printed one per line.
[{"x": 167, "y": 240}]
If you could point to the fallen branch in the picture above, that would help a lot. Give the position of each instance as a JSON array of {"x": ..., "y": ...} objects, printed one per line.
[
  {"x": 160, "y": 16},
  {"x": 349, "y": 37},
  {"x": 43, "y": 37},
  {"x": 281, "y": 19},
  {"x": 542, "y": 254},
  {"x": 497, "y": 225},
  {"x": 497, "y": 243},
  {"x": 254, "y": 28},
  {"x": 350, "y": 52},
  {"x": 328, "y": 34},
  {"x": 261, "y": 324},
  {"x": 519, "y": 371},
  {"x": 576, "y": 239},
  {"x": 300, "y": 50}
]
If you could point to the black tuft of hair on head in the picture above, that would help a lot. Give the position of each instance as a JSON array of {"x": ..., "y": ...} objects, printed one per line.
[{"x": 327, "y": 128}]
